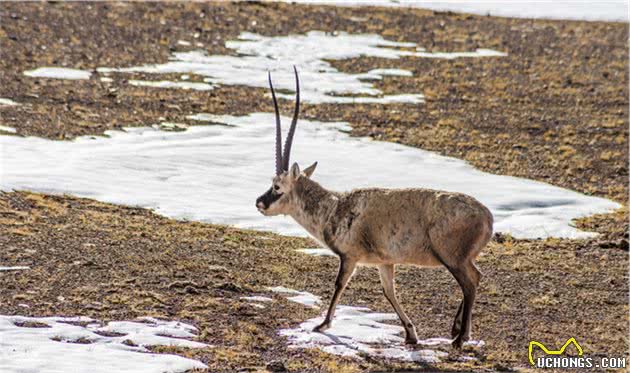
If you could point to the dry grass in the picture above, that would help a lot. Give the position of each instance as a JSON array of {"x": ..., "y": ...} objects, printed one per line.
[{"x": 111, "y": 262}]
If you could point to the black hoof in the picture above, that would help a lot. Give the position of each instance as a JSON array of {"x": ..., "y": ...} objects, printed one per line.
[
  {"x": 457, "y": 343},
  {"x": 322, "y": 327},
  {"x": 411, "y": 341}
]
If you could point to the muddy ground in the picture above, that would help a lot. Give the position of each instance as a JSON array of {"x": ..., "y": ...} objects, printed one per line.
[{"x": 555, "y": 109}]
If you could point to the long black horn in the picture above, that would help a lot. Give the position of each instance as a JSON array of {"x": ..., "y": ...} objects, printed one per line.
[
  {"x": 289, "y": 141},
  {"x": 278, "y": 130}
]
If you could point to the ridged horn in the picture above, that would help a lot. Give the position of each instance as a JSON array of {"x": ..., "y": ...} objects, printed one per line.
[
  {"x": 289, "y": 140},
  {"x": 279, "y": 168}
]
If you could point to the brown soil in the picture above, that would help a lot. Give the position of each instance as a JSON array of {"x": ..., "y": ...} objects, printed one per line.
[
  {"x": 112, "y": 263},
  {"x": 555, "y": 110}
]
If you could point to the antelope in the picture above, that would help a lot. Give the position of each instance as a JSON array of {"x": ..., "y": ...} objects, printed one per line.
[{"x": 382, "y": 228}]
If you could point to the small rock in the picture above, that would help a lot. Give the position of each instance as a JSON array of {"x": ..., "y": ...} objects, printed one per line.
[
  {"x": 191, "y": 290},
  {"x": 499, "y": 237},
  {"x": 276, "y": 366},
  {"x": 230, "y": 286}
]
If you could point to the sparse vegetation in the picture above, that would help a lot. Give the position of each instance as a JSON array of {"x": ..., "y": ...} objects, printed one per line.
[{"x": 554, "y": 110}]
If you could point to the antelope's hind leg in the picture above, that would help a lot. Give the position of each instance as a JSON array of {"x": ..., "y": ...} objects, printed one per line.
[
  {"x": 386, "y": 272},
  {"x": 457, "y": 323},
  {"x": 346, "y": 269},
  {"x": 468, "y": 277}
]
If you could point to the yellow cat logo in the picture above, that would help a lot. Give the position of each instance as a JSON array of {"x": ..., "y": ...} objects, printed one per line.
[{"x": 553, "y": 352}]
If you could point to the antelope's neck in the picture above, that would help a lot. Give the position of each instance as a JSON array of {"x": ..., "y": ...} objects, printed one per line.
[{"x": 312, "y": 206}]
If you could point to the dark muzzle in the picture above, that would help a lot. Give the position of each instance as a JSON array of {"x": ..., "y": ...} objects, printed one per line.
[{"x": 263, "y": 202}]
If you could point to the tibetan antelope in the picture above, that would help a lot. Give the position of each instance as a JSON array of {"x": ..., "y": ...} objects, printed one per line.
[{"x": 382, "y": 227}]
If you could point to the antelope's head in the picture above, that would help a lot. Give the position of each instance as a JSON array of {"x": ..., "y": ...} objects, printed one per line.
[{"x": 277, "y": 199}]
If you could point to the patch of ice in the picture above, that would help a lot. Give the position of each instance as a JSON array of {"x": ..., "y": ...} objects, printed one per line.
[
  {"x": 184, "y": 43},
  {"x": 320, "y": 81},
  {"x": 307, "y": 299},
  {"x": 609, "y": 10},
  {"x": 106, "y": 79},
  {"x": 302, "y": 297},
  {"x": 257, "y": 298},
  {"x": 377, "y": 74},
  {"x": 358, "y": 330},
  {"x": 168, "y": 84},
  {"x": 7, "y": 102},
  {"x": 8, "y": 129},
  {"x": 58, "y": 73},
  {"x": 64, "y": 347},
  {"x": 317, "y": 252},
  {"x": 16, "y": 268},
  {"x": 283, "y": 290},
  {"x": 214, "y": 174}
]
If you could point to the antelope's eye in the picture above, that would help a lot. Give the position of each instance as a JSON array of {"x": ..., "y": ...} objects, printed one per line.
[{"x": 276, "y": 187}]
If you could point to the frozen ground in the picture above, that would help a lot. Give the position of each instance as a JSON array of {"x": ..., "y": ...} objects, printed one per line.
[
  {"x": 606, "y": 10},
  {"x": 321, "y": 82},
  {"x": 80, "y": 344},
  {"x": 214, "y": 173}
]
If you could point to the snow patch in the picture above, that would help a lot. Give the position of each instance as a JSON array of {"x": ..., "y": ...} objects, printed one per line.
[
  {"x": 58, "y": 73},
  {"x": 59, "y": 344},
  {"x": 609, "y": 10},
  {"x": 7, "y": 102},
  {"x": 358, "y": 330},
  {"x": 302, "y": 297},
  {"x": 214, "y": 174},
  {"x": 16, "y": 268},
  {"x": 168, "y": 84},
  {"x": 317, "y": 252},
  {"x": 8, "y": 129},
  {"x": 257, "y": 298},
  {"x": 320, "y": 81}
]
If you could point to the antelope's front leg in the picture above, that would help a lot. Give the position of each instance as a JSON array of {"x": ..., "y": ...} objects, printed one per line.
[{"x": 346, "y": 269}]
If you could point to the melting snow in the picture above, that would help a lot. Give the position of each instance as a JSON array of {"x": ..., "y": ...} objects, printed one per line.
[
  {"x": 358, "y": 330},
  {"x": 317, "y": 252},
  {"x": 215, "y": 173},
  {"x": 258, "y": 298},
  {"x": 302, "y": 297},
  {"x": 58, "y": 73},
  {"x": 17, "y": 268},
  {"x": 609, "y": 10},
  {"x": 64, "y": 347},
  {"x": 7, "y": 102},
  {"x": 320, "y": 81},
  {"x": 169, "y": 84},
  {"x": 8, "y": 129}
]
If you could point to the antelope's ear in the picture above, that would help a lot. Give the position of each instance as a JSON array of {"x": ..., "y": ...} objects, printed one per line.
[
  {"x": 308, "y": 171},
  {"x": 295, "y": 171}
]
